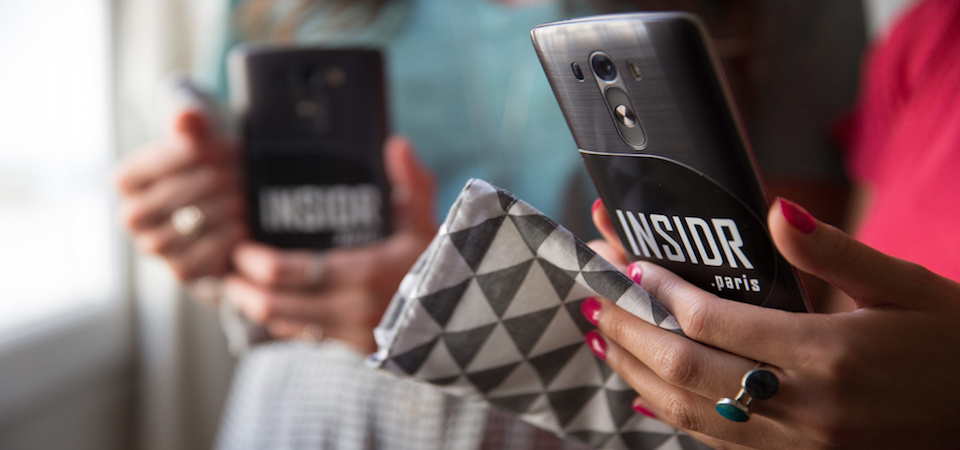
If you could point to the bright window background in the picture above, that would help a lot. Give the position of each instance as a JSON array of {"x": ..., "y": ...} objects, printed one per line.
[{"x": 57, "y": 249}]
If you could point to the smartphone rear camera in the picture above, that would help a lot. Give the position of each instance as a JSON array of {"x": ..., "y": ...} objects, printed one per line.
[
  {"x": 577, "y": 72},
  {"x": 317, "y": 79},
  {"x": 604, "y": 67}
]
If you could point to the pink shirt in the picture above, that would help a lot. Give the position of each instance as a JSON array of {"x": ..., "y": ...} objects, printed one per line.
[{"x": 905, "y": 139}]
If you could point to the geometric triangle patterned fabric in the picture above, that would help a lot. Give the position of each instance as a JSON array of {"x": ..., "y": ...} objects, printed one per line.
[{"x": 492, "y": 310}]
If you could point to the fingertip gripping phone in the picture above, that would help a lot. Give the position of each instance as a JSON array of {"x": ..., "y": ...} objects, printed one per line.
[
  {"x": 312, "y": 126},
  {"x": 657, "y": 129}
]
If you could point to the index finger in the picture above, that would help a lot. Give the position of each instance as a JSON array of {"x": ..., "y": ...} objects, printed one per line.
[
  {"x": 379, "y": 266},
  {"x": 601, "y": 220},
  {"x": 279, "y": 268},
  {"x": 327, "y": 270},
  {"x": 191, "y": 143},
  {"x": 763, "y": 334}
]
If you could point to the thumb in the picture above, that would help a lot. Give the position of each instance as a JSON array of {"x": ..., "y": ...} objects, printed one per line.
[
  {"x": 414, "y": 189},
  {"x": 868, "y": 276},
  {"x": 195, "y": 132},
  {"x": 191, "y": 125}
]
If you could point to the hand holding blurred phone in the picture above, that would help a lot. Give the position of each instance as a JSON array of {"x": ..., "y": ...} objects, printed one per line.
[
  {"x": 657, "y": 129},
  {"x": 312, "y": 124}
]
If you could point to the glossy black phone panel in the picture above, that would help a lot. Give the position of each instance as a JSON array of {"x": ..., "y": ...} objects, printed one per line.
[
  {"x": 313, "y": 122},
  {"x": 666, "y": 151}
]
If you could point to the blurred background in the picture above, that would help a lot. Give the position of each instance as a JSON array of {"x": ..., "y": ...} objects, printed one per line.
[{"x": 99, "y": 347}]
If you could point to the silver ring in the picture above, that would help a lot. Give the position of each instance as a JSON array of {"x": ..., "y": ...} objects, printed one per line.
[
  {"x": 311, "y": 333},
  {"x": 757, "y": 384},
  {"x": 188, "y": 221}
]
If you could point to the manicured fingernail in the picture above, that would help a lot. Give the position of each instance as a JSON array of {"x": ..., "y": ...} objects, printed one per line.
[
  {"x": 591, "y": 310},
  {"x": 597, "y": 204},
  {"x": 634, "y": 272},
  {"x": 642, "y": 410},
  {"x": 597, "y": 344},
  {"x": 797, "y": 216}
]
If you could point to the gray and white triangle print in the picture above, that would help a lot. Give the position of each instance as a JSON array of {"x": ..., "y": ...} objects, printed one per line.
[{"x": 492, "y": 311}]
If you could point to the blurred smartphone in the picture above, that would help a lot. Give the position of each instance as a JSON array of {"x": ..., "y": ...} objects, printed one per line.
[
  {"x": 312, "y": 126},
  {"x": 646, "y": 102}
]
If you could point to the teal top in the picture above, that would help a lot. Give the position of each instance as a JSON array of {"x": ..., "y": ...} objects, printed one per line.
[{"x": 466, "y": 87}]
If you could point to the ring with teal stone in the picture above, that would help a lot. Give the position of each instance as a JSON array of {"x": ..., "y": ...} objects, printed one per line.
[
  {"x": 761, "y": 384},
  {"x": 733, "y": 410}
]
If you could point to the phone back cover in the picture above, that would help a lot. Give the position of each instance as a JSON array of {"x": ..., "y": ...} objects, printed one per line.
[
  {"x": 313, "y": 126},
  {"x": 690, "y": 197}
]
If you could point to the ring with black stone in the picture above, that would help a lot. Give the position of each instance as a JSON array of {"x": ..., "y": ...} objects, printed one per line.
[{"x": 759, "y": 384}]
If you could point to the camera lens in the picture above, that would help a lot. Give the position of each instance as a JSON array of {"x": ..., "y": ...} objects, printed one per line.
[{"x": 604, "y": 67}]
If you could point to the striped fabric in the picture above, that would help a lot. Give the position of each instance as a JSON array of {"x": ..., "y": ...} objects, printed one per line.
[{"x": 299, "y": 395}]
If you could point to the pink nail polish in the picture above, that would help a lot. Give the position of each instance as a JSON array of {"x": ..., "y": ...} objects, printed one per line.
[
  {"x": 797, "y": 216},
  {"x": 597, "y": 204},
  {"x": 641, "y": 410},
  {"x": 634, "y": 272},
  {"x": 591, "y": 310},
  {"x": 597, "y": 344}
]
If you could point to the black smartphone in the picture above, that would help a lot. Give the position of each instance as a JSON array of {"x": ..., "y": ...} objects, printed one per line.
[
  {"x": 312, "y": 123},
  {"x": 650, "y": 111}
]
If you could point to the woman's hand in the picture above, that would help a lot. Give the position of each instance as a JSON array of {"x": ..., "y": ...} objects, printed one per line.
[
  {"x": 343, "y": 291},
  {"x": 882, "y": 376},
  {"x": 188, "y": 167}
]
